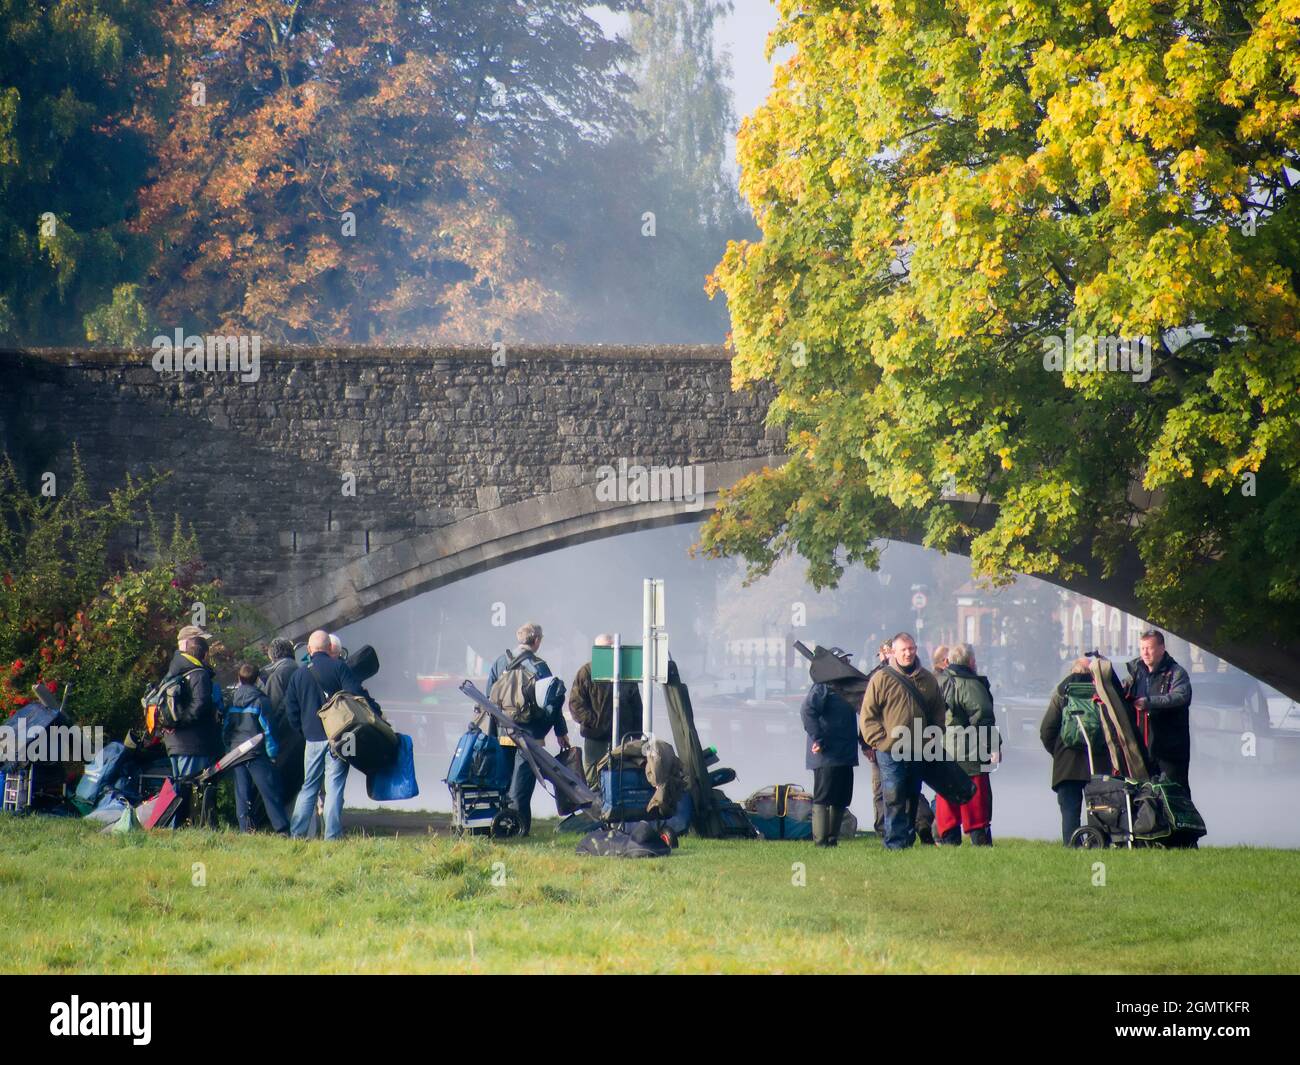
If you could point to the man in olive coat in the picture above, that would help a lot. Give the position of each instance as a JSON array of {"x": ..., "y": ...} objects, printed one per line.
[{"x": 893, "y": 723}]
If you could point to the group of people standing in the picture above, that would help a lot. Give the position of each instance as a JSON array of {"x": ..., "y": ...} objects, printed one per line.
[
  {"x": 282, "y": 703},
  {"x": 899, "y": 705},
  {"x": 886, "y": 713}
]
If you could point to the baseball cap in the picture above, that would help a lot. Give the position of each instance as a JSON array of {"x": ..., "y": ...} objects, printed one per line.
[{"x": 191, "y": 631}]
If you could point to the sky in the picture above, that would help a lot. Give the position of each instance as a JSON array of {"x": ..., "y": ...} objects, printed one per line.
[{"x": 743, "y": 34}]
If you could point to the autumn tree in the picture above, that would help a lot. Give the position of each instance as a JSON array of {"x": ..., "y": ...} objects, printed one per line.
[
  {"x": 70, "y": 163},
  {"x": 951, "y": 195},
  {"x": 337, "y": 171}
]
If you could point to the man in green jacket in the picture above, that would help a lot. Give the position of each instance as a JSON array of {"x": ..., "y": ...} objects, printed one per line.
[
  {"x": 972, "y": 740},
  {"x": 1070, "y": 768}
]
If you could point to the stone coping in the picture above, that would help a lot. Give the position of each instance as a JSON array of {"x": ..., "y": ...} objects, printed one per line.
[{"x": 409, "y": 354}]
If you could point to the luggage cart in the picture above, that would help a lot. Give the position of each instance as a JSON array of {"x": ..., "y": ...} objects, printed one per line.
[
  {"x": 1097, "y": 833},
  {"x": 31, "y": 785},
  {"x": 482, "y": 811}
]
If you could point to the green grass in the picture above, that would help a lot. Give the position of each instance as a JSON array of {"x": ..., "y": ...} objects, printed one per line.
[{"x": 73, "y": 900}]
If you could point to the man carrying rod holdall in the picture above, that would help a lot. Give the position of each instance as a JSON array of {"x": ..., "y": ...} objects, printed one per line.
[
  {"x": 312, "y": 687},
  {"x": 900, "y": 708},
  {"x": 513, "y": 684}
]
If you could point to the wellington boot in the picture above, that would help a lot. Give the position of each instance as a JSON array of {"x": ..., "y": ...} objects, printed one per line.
[
  {"x": 821, "y": 824},
  {"x": 837, "y": 820}
]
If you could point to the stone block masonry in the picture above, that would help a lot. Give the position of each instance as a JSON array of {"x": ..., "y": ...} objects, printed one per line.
[{"x": 433, "y": 436}]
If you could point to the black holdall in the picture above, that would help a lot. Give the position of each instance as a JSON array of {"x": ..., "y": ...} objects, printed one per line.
[{"x": 946, "y": 777}]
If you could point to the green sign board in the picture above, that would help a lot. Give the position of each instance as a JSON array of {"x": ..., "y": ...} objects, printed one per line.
[{"x": 629, "y": 662}]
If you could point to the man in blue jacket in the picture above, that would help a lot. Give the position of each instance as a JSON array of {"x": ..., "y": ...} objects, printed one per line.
[
  {"x": 830, "y": 720},
  {"x": 250, "y": 715},
  {"x": 308, "y": 690}
]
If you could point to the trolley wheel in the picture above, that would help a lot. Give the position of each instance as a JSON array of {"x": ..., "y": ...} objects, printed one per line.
[
  {"x": 1088, "y": 838},
  {"x": 506, "y": 824}
]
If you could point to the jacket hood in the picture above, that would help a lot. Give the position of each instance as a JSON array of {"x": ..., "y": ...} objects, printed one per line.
[
  {"x": 962, "y": 671},
  {"x": 245, "y": 695}
]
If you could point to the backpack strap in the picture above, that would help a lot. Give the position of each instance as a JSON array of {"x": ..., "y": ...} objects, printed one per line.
[
  {"x": 521, "y": 661},
  {"x": 325, "y": 695},
  {"x": 911, "y": 688}
]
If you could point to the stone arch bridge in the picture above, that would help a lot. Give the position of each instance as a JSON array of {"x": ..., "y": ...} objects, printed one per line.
[{"x": 342, "y": 481}]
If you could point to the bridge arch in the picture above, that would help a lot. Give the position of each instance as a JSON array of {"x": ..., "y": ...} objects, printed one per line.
[{"x": 483, "y": 541}]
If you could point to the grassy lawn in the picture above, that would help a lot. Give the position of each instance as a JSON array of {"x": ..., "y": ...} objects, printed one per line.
[{"x": 72, "y": 900}]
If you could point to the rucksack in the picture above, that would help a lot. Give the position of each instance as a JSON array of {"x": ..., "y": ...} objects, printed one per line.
[
  {"x": 515, "y": 690},
  {"x": 1080, "y": 716},
  {"x": 169, "y": 705}
]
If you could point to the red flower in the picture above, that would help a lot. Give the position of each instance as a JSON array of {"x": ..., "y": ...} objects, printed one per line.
[
  {"x": 21, "y": 700},
  {"x": 17, "y": 667},
  {"x": 51, "y": 685}
]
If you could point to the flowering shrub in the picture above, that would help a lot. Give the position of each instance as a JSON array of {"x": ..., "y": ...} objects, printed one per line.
[{"x": 73, "y": 613}]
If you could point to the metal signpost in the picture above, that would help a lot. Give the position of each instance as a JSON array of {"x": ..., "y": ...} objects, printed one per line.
[
  {"x": 654, "y": 637},
  {"x": 648, "y": 662}
]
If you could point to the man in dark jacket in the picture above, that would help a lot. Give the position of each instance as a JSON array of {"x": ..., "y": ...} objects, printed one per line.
[
  {"x": 309, "y": 689},
  {"x": 1161, "y": 693},
  {"x": 194, "y": 747},
  {"x": 522, "y": 779},
  {"x": 971, "y": 737},
  {"x": 288, "y": 740},
  {"x": 831, "y": 723},
  {"x": 591, "y": 703},
  {"x": 249, "y": 715}
]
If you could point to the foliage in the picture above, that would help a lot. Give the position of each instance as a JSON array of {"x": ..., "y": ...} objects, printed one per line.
[
  {"x": 626, "y": 284},
  {"x": 396, "y": 172},
  {"x": 344, "y": 172},
  {"x": 684, "y": 104},
  {"x": 70, "y": 159},
  {"x": 944, "y": 188},
  {"x": 72, "y": 612},
  {"x": 122, "y": 322}
]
